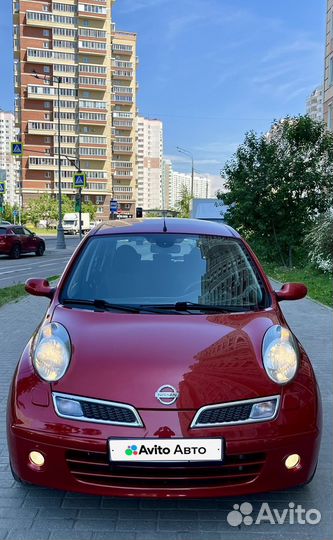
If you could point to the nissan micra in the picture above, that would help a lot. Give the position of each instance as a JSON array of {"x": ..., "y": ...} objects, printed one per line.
[{"x": 164, "y": 367}]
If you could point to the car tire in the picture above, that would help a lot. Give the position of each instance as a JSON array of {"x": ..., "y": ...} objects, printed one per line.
[
  {"x": 15, "y": 252},
  {"x": 16, "y": 477},
  {"x": 40, "y": 250}
]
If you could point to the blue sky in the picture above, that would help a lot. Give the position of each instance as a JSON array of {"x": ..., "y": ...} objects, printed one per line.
[{"x": 213, "y": 69}]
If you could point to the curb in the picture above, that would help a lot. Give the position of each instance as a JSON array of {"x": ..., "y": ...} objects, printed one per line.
[{"x": 307, "y": 297}]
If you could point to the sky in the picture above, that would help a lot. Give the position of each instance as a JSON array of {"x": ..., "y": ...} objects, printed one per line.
[{"x": 212, "y": 70}]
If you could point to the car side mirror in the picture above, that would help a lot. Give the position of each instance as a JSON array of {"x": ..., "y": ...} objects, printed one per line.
[
  {"x": 291, "y": 291},
  {"x": 39, "y": 287}
]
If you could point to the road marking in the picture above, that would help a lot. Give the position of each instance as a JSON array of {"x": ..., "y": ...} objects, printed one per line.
[{"x": 18, "y": 270}]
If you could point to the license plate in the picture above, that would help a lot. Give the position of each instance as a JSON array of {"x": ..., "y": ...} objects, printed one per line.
[{"x": 166, "y": 450}]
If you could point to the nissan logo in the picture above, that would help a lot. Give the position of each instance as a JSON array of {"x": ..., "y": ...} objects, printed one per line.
[{"x": 167, "y": 394}]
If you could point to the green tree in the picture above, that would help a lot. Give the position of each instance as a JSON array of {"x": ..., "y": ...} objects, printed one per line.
[
  {"x": 320, "y": 242},
  {"x": 91, "y": 208},
  {"x": 44, "y": 207},
  {"x": 277, "y": 183},
  {"x": 183, "y": 205}
]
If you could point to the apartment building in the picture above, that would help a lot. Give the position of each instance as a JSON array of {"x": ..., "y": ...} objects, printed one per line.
[
  {"x": 124, "y": 117},
  {"x": 167, "y": 182},
  {"x": 8, "y": 163},
  {"x": 328, "y": 72},
  {"x": 69, "y": 43},
  {"x": 150, "y": 158},
  {"x": 201, "y": 186},
  {"x": 314, "y": 104}
]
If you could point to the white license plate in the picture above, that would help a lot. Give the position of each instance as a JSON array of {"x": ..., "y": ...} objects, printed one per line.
[{"x": 166, "y": 450}]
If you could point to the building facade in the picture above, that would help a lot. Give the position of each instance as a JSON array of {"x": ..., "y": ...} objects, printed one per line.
[
  {"x": 8, "y": 163},
  {"x": 150, "y": 158},
  {"x": 328, "y": 73},
  {"x": 69, "y": 43},
  {"x": 314, "y": 104},
  {"x": 166, "y": 183},
  {"x": 201, "y": 188}
]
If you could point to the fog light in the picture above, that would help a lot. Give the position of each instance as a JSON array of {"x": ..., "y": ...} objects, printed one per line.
[
  {"x": 263, "y": 409},
  {"x": 37, "y": 458},
  {"x": 68, "y": 407},
  {"x": 292, "y": 461}
]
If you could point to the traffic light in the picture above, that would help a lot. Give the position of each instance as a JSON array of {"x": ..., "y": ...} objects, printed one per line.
[
  {"x": 77, "y": 202},
  {"x": 139, "y": 212}
]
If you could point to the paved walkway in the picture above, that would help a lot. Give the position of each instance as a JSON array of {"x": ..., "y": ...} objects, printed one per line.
[{"x": 35, "y": 513}]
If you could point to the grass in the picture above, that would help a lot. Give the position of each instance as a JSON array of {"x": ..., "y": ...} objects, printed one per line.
[
  {"x": 318, "y": 283},
  {"x": 15, "y": 292},
  {"x": 42, "y": 232}
]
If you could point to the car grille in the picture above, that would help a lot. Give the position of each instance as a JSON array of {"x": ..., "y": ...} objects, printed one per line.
[
  {"x": 223, "y": 415},
  {"x": 231, "y": 413},
  {"x": 94, "y": 468},
  {"x": 99, "y": 411},
  {"x": 111, "y": 413}
]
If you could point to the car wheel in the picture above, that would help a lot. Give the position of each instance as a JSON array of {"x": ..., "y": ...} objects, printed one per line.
[
  {"x": 40, "y": 250},
  {"x": 15, "y": 252},
  {"x": 14, "y": 475}
]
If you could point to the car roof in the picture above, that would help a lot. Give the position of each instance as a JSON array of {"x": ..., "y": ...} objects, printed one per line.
[{"x": 173, "y": 225}]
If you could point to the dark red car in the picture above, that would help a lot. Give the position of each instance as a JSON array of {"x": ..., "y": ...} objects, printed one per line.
[
  {"x": 164, "y": 367},
  {"x": 15, "y": 240}
]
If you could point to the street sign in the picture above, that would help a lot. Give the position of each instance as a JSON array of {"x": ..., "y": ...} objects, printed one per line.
[
  {"x": 16, "y": 148},
  {"x": 15, "y": 213},
  {"x": 113, "y": 206},
  {"x": 2, "y": 175},
  {"x": 79, "y": 180},
  {"x": 2, "y": 187}
]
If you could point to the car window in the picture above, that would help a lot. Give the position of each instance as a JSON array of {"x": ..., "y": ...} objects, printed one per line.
[
  {"x": 3, "y": 230},
  {"x": 27, "y": 232},
  {"x": 18, "y": 230},
  {"x": 167, "y": 268}
]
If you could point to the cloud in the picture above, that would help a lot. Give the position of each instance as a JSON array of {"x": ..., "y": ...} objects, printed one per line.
[
  {"x": 300, "y": 45},
  {"x": 131, "y": 6}
]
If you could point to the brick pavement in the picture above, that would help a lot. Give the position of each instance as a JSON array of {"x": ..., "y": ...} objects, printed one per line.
[{"x": 39, "y": 514}]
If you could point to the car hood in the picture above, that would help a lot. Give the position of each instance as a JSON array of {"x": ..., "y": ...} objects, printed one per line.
[{"x": 127, "y": 357}]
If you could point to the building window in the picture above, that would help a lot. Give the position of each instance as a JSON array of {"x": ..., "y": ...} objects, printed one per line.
[
  {"x": 46, "y": 33},
  {"x": 47, "y": 174},
  {"x": 330, "y": 72},
  {"x": 47, "y": 116},
  {"x": 47, "y": 139},
  {"x": 46, "y": 69},
  {"x": 330, "y": 117},
  {"x": 47, "y": 105},
  {"x": 46, "y": 8},
  {"x": 46, "y": 45},
  {"x": 100, "y": 210}
]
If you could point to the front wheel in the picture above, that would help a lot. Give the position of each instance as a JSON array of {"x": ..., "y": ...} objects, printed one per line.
[{"x": 40, "y": 250}]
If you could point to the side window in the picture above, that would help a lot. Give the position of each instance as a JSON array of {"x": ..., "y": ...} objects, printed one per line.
[
  {"x": 26, "y": 232},
  {"x": 18, "y": 230}
]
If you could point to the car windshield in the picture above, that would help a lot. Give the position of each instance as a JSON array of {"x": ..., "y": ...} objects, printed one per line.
[{"x": 165, "y": 269}]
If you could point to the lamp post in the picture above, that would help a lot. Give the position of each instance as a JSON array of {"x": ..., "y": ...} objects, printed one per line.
[
  {"x": 60, "y": 231},
  {"x": 188, "y": 153}
]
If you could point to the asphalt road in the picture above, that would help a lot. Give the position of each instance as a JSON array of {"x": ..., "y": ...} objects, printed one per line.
[
  {"x": 51, "y": 264},
  {"x": 33, "y": 513}
]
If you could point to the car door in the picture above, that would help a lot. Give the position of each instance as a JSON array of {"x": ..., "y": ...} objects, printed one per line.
[
  {"x": 30, "y": 239},
  {"x": 20, "y": 236}
]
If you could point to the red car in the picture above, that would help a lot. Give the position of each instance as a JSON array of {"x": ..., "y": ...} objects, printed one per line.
[
  {"x": 15, "y": 239},
  {"x": 164, "y": 367}
]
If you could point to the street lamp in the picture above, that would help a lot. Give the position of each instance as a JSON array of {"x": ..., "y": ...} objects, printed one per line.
[
  {"x": 188, "y": 153},
  {"x": 60, "y": 231}
]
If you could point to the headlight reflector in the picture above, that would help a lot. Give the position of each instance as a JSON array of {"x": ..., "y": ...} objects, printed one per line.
[
  {"x": 52, "y": 352},
  {"x": 280, "y": 354}
]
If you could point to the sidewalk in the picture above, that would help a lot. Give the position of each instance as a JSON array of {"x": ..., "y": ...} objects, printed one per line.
[{"x": 28, "y": 512}]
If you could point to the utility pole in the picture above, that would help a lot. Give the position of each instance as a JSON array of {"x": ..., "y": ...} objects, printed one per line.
[{"x": 188, "y": 153}]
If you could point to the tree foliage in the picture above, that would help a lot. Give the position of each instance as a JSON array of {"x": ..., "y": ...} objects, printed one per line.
[
  {"x": 320, "y": 242},
  {"x": 183, "y": 205},
  {"x": 277, "y": 183},
  {"x": 46, "y": 208}
]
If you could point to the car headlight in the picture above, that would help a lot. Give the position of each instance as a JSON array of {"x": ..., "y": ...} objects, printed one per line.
[
  {"x": 52, "y": 352},
  {"x": 280, "y": 354}
]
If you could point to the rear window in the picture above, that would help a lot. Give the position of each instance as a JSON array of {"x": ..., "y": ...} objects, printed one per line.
[{"x": 167, "y": 268}]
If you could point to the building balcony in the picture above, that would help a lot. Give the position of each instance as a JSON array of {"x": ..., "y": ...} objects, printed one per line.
[
  {"x": 92, "y": 11},
  {"x": 122, "y": 74},
  {"x": 122, "y": 149},
  {"x": 122, "y": 124},
  {"x": 41, "y": 128},
  {"x": 122, "y": 99},
  {"x": 92, "y": 47},
  {"x": 126, "y": 50}
]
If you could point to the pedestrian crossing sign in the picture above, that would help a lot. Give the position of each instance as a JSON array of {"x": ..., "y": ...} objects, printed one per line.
[
  {"x": 16, "y": 148},
  {"x": 2, "y": 187},
  {"x": 79, "y": 180}
]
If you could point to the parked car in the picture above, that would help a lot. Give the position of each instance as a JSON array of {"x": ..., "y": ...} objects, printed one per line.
[
  {"x": 168, "y": 371},
  {"x": 15, "y": 240},
  {"x": 4, "y": 222}
]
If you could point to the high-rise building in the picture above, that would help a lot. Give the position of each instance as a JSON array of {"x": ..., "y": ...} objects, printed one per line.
[
  {"x": 166, "y": 183},
  {"x": 328, "y": 73},
  {"x": 70, "y": 42},
  {"x": 8, "y": 163},
  {"x": 150, "y": 157},
  {"x": 124, "y": 118},
  {"x": 180, "y": 180},
  {"x": 314, "y": 104}
]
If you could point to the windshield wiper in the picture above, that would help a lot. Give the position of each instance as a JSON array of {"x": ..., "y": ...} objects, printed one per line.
[
  {"x": 100, "y": 304},
  {"x": 192, "y": 306}
]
